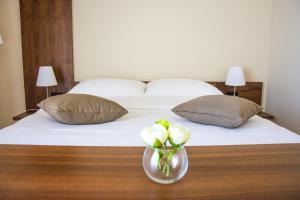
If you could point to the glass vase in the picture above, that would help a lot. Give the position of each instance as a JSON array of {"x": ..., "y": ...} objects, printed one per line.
[{"x": 166, "y": 165}]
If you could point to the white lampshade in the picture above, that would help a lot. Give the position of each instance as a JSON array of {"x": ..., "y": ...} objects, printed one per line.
[
  {"x": 1, "y": 40},
  {"x": 46, "y": 77},
  {"x": 235, "y": 76}
]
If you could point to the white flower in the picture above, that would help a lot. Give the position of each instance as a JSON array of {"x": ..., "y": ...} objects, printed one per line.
[
  {"x": 154, "y": 136},
  {"x": 178, "y": 135}
]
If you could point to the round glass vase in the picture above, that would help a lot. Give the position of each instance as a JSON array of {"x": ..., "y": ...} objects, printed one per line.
[{"x": 166, "y": 165}]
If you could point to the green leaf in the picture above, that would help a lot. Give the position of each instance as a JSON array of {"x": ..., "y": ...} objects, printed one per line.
[
  {"x": 173, "y": 143},
  {"x": 157, "y": 144}
]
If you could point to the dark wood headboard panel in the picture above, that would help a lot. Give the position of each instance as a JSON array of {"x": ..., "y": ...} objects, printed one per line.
[{"x": 47, "y": 39}]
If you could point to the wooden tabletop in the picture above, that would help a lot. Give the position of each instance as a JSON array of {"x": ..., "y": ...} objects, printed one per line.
[{"x": 220, "y": 172}]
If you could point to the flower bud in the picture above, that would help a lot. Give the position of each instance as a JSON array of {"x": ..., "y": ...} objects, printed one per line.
[
  {"x": 178, "y": 135},
  {"x": 154, "y": 136}
]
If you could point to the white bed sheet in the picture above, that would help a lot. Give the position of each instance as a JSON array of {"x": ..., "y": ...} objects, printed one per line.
[{"x": 41, "y": 129}]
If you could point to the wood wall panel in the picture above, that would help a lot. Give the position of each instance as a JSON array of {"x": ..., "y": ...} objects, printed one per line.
[{"x": 46, "y": 40}]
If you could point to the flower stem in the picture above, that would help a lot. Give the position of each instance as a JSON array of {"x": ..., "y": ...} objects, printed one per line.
[{"x": 165, "y": 158}]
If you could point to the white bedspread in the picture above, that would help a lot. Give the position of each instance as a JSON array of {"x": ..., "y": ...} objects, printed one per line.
[{"x": 41, "y": 129}]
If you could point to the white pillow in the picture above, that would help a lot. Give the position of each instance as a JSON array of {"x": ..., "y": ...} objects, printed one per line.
[
  {"x": 180, "y": 87},
  {"x": 106, "y": 87}
]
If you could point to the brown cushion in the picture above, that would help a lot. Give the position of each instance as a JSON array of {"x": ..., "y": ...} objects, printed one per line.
[
  {"x": 218, "y": 110},
  {"x": 82, "y": 109}
]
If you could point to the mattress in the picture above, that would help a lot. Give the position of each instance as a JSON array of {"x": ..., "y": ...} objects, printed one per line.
[{"x": 41, "y": 129}]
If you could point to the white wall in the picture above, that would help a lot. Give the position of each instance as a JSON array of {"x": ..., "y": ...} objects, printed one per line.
[
  {"x": 146, "y": 40},
  {"x": 12, "y": 97},
  {"x": 283, "y": 98}
]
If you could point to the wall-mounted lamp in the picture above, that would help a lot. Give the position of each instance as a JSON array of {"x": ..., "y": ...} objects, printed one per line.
[
  {"x": 235, "y": 77},
  {"x": 46, "y": 78}
]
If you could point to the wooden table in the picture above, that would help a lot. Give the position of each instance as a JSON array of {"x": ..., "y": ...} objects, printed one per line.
[{"x": 221, "y": 172}]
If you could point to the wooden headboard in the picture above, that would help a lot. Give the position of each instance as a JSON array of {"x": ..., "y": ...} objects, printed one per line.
[{"x": 251, "y": 91}]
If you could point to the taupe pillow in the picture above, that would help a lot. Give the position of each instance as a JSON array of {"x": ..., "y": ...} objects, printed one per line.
[
  {"x": 82, "y": 109},
  {"x": 218, "y": 110}
]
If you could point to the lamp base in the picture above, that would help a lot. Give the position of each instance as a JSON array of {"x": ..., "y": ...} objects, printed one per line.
[
  {"x": 232, "y": 94},
  {"x": 56, "y": 93}
]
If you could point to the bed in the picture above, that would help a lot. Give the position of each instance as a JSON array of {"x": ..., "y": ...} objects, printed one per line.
[{"x": 144, "y": 108}]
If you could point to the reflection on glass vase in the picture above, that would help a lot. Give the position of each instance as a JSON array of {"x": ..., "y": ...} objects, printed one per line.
[{"x": 166, "y": 165}]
